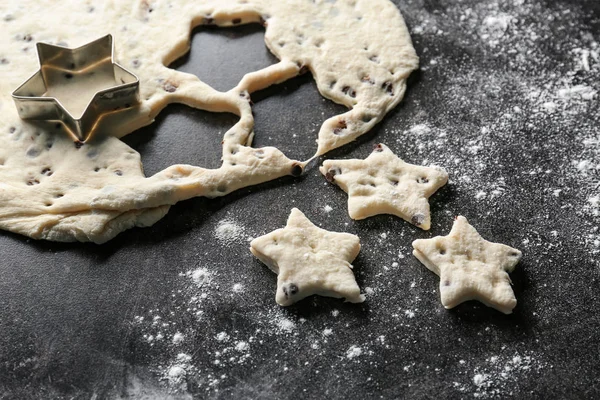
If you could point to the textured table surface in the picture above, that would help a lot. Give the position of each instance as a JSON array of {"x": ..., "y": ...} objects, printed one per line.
[{"x": 505, "y": 100}]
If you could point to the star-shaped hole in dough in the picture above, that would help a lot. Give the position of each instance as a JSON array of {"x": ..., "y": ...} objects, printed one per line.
[
  {"x": 470, "y": 267},
  {"x": 309, "y": 260},
  {"x": 384, "y": 184}
]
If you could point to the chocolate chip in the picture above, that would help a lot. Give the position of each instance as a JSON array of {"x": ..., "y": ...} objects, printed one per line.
[
  {"x": 293, "y": 289},
  {"x": 378, "y": 148},
  {"x": 418, "y": 219},
  {"x": 349, "y": 91},
  {"x": 341, "y": 126},
  {"x": 388, "y": 87},
  {"x": 367, "y": 79},
  {"x": 330, "y": 175},
  {"x": 297, "y": 170},
  {"x": 290, "y": 289},
  {"x": 236, "y": 21},
  {"x": 169, "y": 87}
]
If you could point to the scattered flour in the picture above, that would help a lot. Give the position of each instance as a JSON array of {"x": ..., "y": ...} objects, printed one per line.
[
  {"x": 531, "y": 96},
  {"x": 229, "y": 231},
  {"x": 419, "y": 129},
  {"x": 200, "y": 276},
  {"x": 242, "y": 346},
  {"x": 222, "y": 337},
  {"x": 499, "y": 373},
  {"x": 286, "y": 325},
  {"x": 238, "y": 288},
  {"x": 353, "y": 352},
  {"x": 178, "y": 338}
]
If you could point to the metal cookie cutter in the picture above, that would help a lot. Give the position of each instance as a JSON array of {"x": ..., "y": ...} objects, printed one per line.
[{"x": 77, "y": 86}]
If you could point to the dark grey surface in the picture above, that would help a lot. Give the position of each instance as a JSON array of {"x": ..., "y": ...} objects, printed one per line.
[{"x": 68, "y": 326}]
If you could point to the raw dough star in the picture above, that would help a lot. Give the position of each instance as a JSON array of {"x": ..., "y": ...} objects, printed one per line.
[
  {"x": 309, "y": 260},
  {"x": 384, "y": 184},
  {"x": 470, "y": 267}
]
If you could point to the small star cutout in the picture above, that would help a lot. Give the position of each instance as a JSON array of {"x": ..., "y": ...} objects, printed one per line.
[
  {"x": 309, "y": 260},
  {"x": 384, "y": 184},
  {"x": 470, "y": 267}
]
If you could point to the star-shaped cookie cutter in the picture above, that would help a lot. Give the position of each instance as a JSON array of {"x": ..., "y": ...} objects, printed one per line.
[{"x": 65, "y": 75}]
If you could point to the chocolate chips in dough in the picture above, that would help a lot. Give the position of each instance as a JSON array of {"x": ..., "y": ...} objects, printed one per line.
[
  {"x": 384, "y": 184},
  {"x": 309, "y": 260},
  {"x": 470, "y": 267},
  {"x": 52, "y": 188}
]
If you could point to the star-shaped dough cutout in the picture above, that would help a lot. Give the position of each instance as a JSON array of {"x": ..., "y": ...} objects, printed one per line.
[
  {"x": 470, "y": 267},
  {"x": 384, "y": 184},
  {"x": 309, "y": 260}
]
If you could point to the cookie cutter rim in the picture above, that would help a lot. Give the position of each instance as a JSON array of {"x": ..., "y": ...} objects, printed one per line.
[{"x": 33, "y": 105}]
